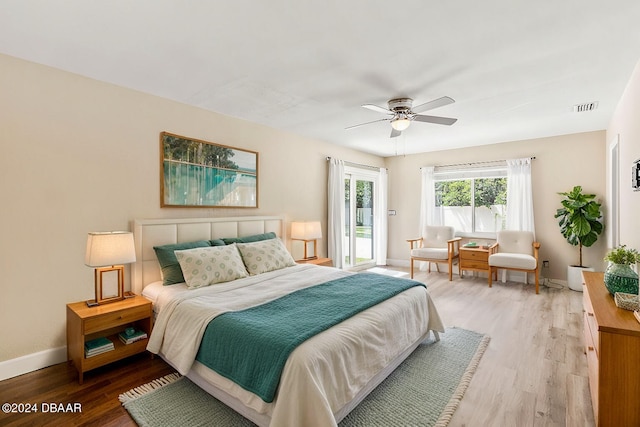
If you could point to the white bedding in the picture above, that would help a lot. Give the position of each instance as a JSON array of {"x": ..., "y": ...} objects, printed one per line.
[{"x": 324, "y": 373}]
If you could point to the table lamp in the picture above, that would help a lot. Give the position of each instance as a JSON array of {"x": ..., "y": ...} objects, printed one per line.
[
  {"x": 308, "y": 231},
  {"x": 106, "y": 252}
]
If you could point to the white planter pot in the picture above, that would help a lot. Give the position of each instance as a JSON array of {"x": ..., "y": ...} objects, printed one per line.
[{"x": 574, "y": 277}]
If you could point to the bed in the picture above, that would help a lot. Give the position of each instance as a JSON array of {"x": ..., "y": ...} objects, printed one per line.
[{"x": 324, "y": 377}]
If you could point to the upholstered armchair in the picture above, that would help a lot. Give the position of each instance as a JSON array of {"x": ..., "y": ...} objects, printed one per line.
[
  {"x": 515, "y": 250},
  {"x": 437, "y": 245}
]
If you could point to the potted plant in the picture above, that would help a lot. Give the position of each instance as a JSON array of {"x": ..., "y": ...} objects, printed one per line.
[
  {"x": 619, "y": 276},
  {"x": 580, "y": 221}
]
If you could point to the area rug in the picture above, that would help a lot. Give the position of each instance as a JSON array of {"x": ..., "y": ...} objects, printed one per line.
[{"x": 424, "y": 390}]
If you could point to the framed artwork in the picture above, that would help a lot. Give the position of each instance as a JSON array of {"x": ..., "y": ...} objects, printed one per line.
[{"x": 196, "y": 173}]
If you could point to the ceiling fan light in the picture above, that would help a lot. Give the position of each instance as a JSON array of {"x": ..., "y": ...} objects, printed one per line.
[{"x": 400, "y": 124}]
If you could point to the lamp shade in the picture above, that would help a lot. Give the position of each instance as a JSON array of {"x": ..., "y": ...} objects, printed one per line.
[
  {"x": 306, "y": 230},
  {"x": 109, "y": 248}
]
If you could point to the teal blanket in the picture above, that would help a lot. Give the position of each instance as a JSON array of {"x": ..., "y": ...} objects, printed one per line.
[{"x": 251, "y": 347}]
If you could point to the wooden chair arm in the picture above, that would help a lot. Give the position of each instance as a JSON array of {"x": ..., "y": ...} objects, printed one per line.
[
  {"x": 453, "y": 245},
  {"x": 536, "y": 247},
  {"x": 413, "y": 241},
  {"x": 493, "y": 248}
]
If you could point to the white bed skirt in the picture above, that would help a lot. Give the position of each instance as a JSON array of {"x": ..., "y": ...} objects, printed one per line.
[{"x": 205, "y": 379}]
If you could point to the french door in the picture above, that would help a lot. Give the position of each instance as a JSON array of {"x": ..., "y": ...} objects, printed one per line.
[{"x": 360, "y": 194}]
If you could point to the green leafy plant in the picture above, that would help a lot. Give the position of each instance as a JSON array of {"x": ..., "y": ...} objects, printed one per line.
[
  {"x": 580, "y": 219},
  {"x": 622, "y": 255}
]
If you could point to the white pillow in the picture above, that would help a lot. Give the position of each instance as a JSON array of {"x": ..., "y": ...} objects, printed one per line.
[
  {"x": 265, "y": 255},
  {"x": 209, "y": 265}
]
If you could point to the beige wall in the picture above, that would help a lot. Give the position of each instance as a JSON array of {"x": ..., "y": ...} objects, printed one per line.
[
  {"x": 625, "y": 127},
  {"x": 561, "y": 163},
  {"x": 79, "y": 155}
]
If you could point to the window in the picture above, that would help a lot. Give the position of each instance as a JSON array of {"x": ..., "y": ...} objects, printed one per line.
[{"x": 473, "y": 201}]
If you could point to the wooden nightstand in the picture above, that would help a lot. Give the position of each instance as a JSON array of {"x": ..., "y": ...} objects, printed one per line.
[
  {"x": 327, "y": 262},
  {"x": 87, "y": 323}
]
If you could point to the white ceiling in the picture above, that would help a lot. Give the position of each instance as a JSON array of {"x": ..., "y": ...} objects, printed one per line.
[{"x": 514, "y": 68}]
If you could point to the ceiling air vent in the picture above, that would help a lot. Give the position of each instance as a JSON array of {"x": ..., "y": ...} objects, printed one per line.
[{"x": 581, "y": 108}]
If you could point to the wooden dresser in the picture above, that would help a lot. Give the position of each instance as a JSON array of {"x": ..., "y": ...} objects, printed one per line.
[{"x": 612, "y": 341}]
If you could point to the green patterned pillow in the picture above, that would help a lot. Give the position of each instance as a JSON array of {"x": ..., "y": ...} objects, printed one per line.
[
  {"x": 266, "y": 255},
  {"x": 171, "y": 272},
  {"x": 207, "y": 266}
]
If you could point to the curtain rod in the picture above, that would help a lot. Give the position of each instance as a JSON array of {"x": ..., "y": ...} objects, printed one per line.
[
  {"x": 477, "y": 163},
  {"x": 358, "y": 164}
]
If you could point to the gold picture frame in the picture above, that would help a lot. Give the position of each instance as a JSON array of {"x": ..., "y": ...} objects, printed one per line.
[{"x": 196, "y": 173}]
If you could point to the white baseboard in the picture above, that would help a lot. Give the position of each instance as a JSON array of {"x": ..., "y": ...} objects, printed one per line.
[
  {"x": 398, "y": 262},
  {"x": 32, "y": 362}
]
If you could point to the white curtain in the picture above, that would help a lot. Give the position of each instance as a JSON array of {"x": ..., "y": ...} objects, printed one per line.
[
  {"x": 519, "y": 195},
  {"x": 336, "y": 220},
  {"x": 381, "y": 219},
  {"x": 428, "y": 200},
  {"x": 427, "y": 204}
]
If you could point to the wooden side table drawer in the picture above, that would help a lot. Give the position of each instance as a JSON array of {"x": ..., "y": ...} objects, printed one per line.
[
  {"x": 117, "y": 318},
  {"x": 475, "y": 256},
  {"x": 475, "y": 264}
]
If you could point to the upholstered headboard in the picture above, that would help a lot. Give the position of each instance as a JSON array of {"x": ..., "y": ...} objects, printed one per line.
[{"x": 148, "y": 233}]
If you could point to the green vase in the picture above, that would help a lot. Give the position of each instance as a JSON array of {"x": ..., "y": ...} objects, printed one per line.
[{"x": 621, "y": 278}]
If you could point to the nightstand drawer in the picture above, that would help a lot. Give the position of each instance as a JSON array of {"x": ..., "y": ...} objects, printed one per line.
[{"x": 116, "y": 318}]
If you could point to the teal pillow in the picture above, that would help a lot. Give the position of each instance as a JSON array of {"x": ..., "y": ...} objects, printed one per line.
[
  {"x": 217, "y": 242},
  {"x": 250, "y": 239},
  {"x": 171, "y": 271}
]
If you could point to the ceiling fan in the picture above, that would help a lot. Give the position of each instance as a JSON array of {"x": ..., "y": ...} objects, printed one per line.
[{"x": 401, "y": 114}]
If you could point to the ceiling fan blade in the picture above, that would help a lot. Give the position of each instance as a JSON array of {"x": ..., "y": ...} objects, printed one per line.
[
  {"x": 440, "y": 102},
  {"x": 435, "y": 119},
  {"x": 378, "y": 109},
  {"x": 367, "y": 123},
  {"x": 394, "y": 133}
]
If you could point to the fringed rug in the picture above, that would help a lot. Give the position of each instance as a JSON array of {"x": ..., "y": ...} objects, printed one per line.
[{"x": 424, "y": 390}]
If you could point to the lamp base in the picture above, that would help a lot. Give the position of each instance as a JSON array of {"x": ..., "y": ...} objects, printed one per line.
[{"x": 309, "y": 258}]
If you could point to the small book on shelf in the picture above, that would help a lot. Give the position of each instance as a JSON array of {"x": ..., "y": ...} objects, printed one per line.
[
  {"x": 97, "y": 346},
  {"x": 132, "y": 337}
]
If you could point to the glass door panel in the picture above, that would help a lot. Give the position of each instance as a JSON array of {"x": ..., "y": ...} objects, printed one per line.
[
  {"x": 346, "y": 250},
  {"x": 359, "y": 220},
  {"x": 364, "y": 222}
]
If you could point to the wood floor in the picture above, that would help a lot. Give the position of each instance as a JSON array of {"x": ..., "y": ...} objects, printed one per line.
[{"x": 533, "y": 373}]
